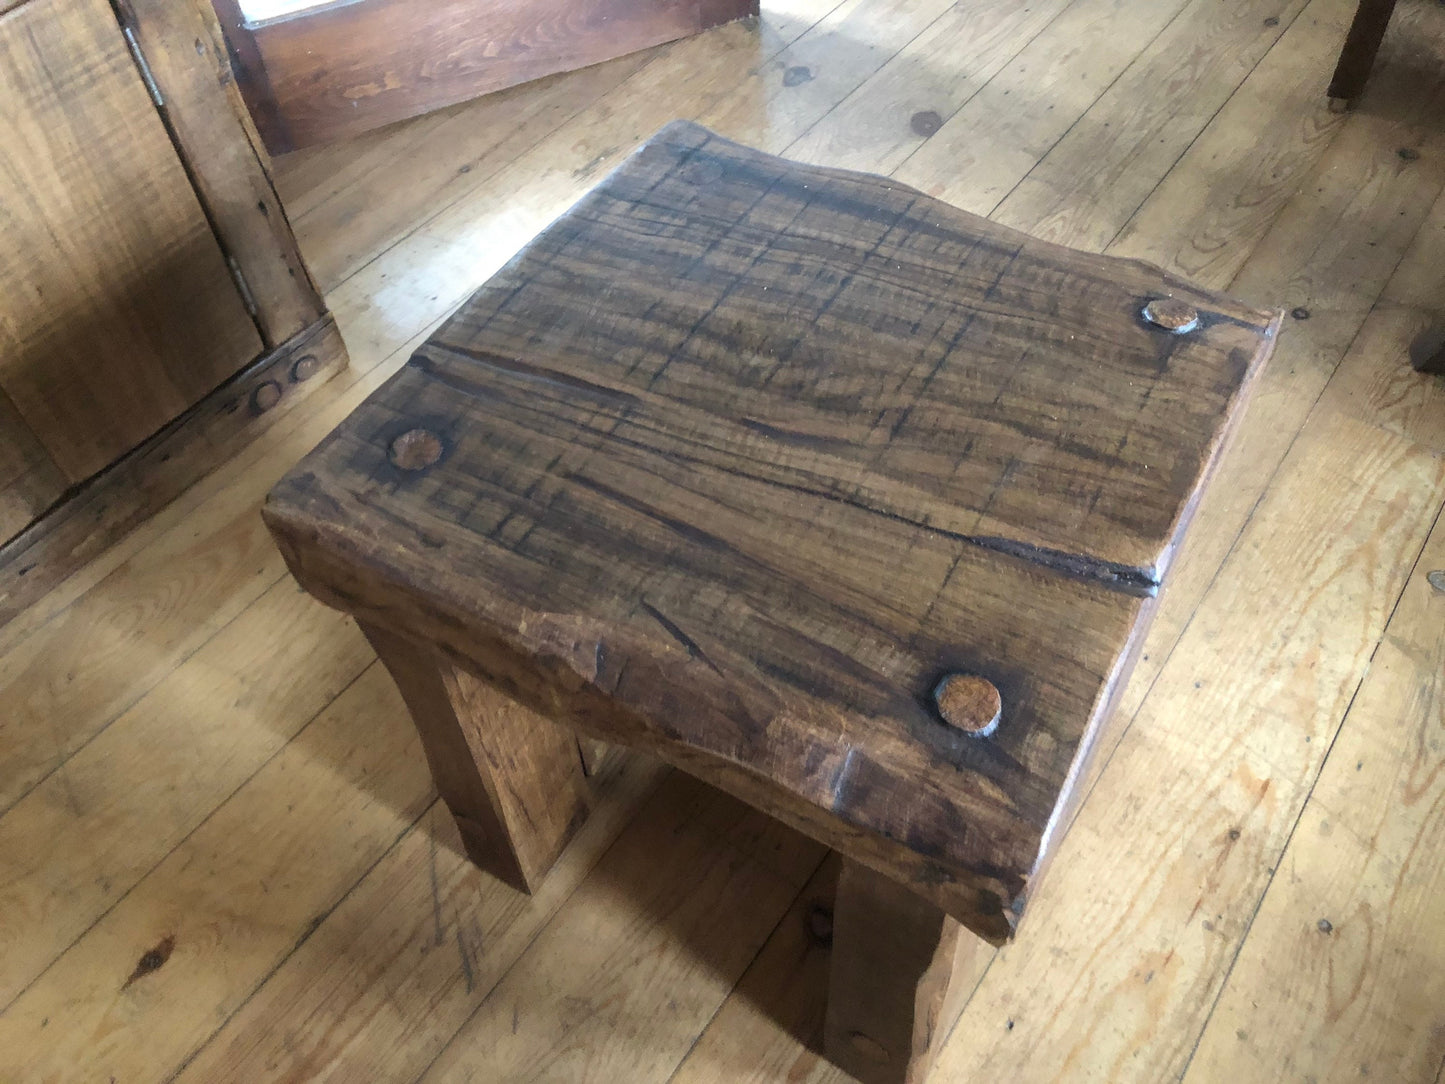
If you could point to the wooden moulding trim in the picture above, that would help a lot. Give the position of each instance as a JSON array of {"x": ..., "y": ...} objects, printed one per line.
[{"x": 92, "y": 516}]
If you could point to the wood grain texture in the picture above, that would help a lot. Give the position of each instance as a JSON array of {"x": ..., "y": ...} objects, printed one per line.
[
  {"x": 771, "y": 1026},
  {"x": 1093, "y": 179},
  {"x": 119, "y": 312},
  {"x": 512, "y": 779},
  {"x": 374, "y": 988},
  {"x": 994, "y": 140},
  {"x": 347, "y": 67},
  {"x": 30, "y": 481},
  {"x": 71, "y": 848},
  {"x": 207, "y": 120},
  {"x": 778, "y": 414},
  {"x": 1357, "y": 905},
  {"x": 889, "y": 1004},
  {"x": 900, "y": 110},
  {"x": 114, "y": 502},
  {"x": 618, "y": 982},
  {"x": 424, "y": 922},
  {"x": 1357, "y": 56},
  {"x": 350, "y": 201},
  {"x": 347, "y": 809}
]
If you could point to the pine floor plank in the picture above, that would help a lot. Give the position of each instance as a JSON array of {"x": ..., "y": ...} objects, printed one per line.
[
  {"x": 350, "y": 201},
  {"x": 308, "y": 935},
  {"x": 1413, "y": 303},
  {"x": 770, "y": 1027},
  {"x": 228, "y": 904},
  {"x": 618, "y": 984},
  {"x": 71, "y": 677},
  {"x": 1357, "y": 906},
  {"x": 1223, "y": 194},
  {"x": 711, "y": 82},
  {"x": 424, "y": 927},
  {"x": 1092, "y": 181},
  {"x": 782, "y": 99},
  {"x": 1329, "y": 255},
  {"x": 877, "y": 125},
  {"x": 1131, "y": 935},
  {"x": 78, "y": 842},
  {"x": 987, "y": 147}
]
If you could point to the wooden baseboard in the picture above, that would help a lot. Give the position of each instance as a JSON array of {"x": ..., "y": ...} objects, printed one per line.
[
  {"x": 102, "y": 510},
  {"x": 345, "y": 67}
]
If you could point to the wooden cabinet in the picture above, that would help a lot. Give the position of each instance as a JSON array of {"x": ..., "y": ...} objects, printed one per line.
[
  {"x": 126, "y": 304},
  {"x": 118, "y": 311}
]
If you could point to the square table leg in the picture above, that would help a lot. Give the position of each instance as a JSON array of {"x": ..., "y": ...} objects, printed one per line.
[
  {"x": 891, "y": 998},
  {"x": 1358, "y": 55},
  {"x": 512, "y": 779}
]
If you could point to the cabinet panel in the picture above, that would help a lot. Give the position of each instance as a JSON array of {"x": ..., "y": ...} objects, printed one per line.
[
  {"x": 116, "y": 308},
  {"x": 29, "y": 479}
]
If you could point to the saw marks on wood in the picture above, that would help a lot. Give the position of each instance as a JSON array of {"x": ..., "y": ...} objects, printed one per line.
[{"x": 220, "y": 857}]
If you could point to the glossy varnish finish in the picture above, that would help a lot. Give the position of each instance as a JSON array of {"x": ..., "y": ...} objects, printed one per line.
[
  {"x": 787, "y": 445},
  {"x": 338, "y": 69}
]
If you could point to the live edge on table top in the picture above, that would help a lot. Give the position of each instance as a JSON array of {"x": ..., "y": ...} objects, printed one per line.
[{"x": 739, "y": 457}]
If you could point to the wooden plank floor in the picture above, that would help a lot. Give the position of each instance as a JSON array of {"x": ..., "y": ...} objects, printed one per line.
[{"x": 220, "y": 854}]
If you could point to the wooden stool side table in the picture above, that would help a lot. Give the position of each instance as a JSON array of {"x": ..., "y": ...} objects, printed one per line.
[{"x": 836, "y": 497}]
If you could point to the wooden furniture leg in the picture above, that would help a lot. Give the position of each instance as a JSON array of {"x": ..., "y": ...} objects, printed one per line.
[
  {"x": 1427, "y": 352},
  {"x": 891, "y": 1001},
  {"x": 645, "y": 484},
  {"x": 512, "y": 779},
  {"x": 1358, "y": 55}
]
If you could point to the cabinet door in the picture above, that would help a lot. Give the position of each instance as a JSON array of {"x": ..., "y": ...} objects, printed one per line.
[{"x": 117, "y": 311}]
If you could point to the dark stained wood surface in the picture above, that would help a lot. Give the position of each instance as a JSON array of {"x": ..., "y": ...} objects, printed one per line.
[
  {"x": 740, "y": 457},
  {"x": 512, "y": 779},
  {"x": 339, "y": 69},
  {"x": 1357, "y": 56},
  {"x": 890, "y": 978}
]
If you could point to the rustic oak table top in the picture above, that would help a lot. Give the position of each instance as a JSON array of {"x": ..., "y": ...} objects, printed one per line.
[{"x": 739, "y": 458}]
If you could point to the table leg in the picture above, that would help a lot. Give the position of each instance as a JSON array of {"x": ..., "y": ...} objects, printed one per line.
[
  {"x": 891, "y": 1002},
  {"x": 1427, "y": 352},
  {"x": 1358, "y": 55},
  {"x": 512, "y": 779}
]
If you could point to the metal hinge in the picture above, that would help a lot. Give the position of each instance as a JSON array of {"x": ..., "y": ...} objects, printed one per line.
[
  {"x": 145, "y": 68},
  {"x": 247, "y": 298}
]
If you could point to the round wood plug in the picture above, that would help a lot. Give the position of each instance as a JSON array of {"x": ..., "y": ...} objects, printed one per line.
[
  {"x": 969, "y": 703},
  {"x": 416, "y": 449},
  {"x": 1176, "y": 317}
]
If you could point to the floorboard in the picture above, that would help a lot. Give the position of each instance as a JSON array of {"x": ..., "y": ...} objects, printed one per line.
[{"x": 220, "y": 854}]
